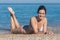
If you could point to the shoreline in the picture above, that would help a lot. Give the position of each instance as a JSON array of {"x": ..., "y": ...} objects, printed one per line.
[
  {"x": 53, "y": 29},
  {"x": 9, "y": 36}
]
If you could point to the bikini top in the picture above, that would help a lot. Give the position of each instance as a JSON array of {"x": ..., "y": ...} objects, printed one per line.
[{"x": 41, "y": 29}]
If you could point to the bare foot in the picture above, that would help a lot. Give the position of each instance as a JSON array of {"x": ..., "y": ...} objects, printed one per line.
[{"x": 11, "y": 10}]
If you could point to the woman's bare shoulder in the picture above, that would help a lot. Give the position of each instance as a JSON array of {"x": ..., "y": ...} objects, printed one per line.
[
  {"x": 33, "y": 18},
  {"x": 45, "y": 19}
]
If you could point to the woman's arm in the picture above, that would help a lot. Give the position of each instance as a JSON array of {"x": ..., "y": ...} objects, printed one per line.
[
  {"x": 34, "y": 25},
  {"x": 45, "y": 26}
]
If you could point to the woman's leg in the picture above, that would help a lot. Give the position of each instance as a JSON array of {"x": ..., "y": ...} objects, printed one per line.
[
  {"x": 14, "y": 22},
  {"x": 18, "y": 26},
  {"x": 12, "y": 25}
]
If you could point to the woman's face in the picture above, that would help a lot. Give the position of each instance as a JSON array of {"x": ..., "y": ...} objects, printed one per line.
[{"x": 41, "y": 14}]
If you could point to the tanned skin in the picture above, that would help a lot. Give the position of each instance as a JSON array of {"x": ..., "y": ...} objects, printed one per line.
[{"x": 36, "y": 22}]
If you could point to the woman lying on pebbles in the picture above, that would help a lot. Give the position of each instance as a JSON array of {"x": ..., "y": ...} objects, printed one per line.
[{"x": 38, "y": 24}]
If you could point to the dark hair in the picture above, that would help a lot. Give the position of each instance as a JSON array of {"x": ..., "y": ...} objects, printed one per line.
[{"x": 40, "y": 8}]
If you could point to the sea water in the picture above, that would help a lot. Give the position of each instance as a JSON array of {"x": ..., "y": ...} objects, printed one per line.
[{"x": 24, "y": 11}]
